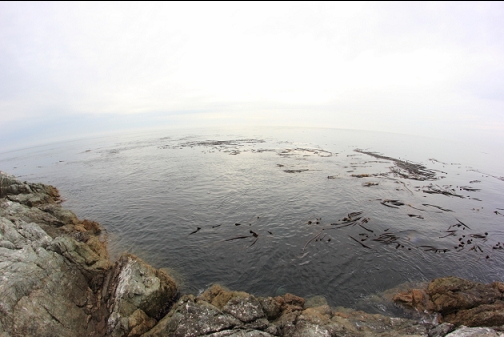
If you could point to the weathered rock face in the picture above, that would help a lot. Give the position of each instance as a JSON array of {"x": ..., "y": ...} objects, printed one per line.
[
  {"x": 43, "y": 291},
  {"x": 459, "y": 301},
  {"x": 56, "y": 278}
]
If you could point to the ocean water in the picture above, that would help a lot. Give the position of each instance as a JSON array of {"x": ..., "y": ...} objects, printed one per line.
[{"x": 275, "y": 210}]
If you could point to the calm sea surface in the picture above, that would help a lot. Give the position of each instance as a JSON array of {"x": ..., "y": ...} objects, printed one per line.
[{"x": 269, "y": 210}]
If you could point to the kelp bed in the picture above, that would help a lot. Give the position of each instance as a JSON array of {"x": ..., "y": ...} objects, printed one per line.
[
  {"x": 457, "y": 237},
  {"x": 405, "y": 169}
]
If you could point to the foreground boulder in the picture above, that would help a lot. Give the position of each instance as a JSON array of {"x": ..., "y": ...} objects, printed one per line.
[{"x": 138, "y": 296}]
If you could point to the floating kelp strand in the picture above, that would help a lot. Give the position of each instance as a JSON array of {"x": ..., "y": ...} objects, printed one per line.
[
  {"x": 195, "y": 231},
  {"x": 387, "y": 238},
  {"x": 393, "y": 203},
  {"x": 313, "y": 238},
  {"x": 351, "y": 216},
  {"x": 360, "y": 243},
  {"x": 369, "y": 230},
  {"x": 240, "y": 237},
  {"x": 295, "y": 171},
  {"x": 434, "y": 189},
  {"x": 450, "y": 233},
  {"x": 479, "y": 236},
  {"x": 468, "y": 188},
  {"x": 434, "y": 249},
  {"x": 438, "y": 207},
  {"x": 463, "y": 224},
  {"x": 476, "y": 248},
  {"x": 419, "y": 209},
  {"x": 253, "y": 243},
  {"x": 361, "y": 175}
]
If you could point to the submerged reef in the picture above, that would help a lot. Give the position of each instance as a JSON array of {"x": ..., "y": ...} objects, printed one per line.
[{"x": 56, "y": 279}]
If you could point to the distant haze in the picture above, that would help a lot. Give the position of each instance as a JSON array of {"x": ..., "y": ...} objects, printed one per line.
[{"x": 69, "y": 70}]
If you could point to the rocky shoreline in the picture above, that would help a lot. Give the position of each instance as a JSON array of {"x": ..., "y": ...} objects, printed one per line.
[{"x": 56, "y": 279}]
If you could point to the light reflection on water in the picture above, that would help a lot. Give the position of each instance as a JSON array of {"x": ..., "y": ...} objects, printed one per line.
[{"x": 150, "y": 191}]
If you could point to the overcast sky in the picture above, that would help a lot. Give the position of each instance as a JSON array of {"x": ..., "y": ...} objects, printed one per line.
[{"x": 70, "y": 69}]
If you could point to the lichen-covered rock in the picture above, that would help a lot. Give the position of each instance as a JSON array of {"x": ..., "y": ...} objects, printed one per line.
[
  {"x": 193, "y": 318},
  {"x": 245, "y": 308}
]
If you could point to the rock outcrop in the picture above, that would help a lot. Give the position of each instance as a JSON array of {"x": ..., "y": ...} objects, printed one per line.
[
  {"x": 221, "y": 312},
  {"x": 459, "y": 301},
  {"x": 56, "y": 279}
]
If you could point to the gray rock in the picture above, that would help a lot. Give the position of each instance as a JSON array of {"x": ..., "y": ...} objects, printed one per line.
[
  {"x": 305, "y": 329},
  {"x": 441, "y": 330},
  {"x": 189, "y": 318},
  {"x": 474, "y": 332},
  {"x": 246, "y": 309},
  {"x": 42, "y": 294}
]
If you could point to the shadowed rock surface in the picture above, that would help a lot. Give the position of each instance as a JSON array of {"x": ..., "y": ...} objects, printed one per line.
[{"x": 56, "y": 279}]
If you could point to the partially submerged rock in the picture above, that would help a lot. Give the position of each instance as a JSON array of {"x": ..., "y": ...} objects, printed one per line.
[{"x": 459, "y": 301}]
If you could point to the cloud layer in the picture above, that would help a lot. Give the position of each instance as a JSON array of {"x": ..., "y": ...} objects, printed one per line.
[{"x": 434, "y": 69}]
